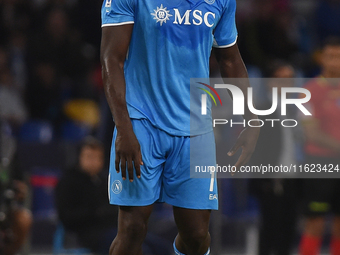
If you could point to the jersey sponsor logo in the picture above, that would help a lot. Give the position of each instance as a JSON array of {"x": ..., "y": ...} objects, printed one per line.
[
  {"x": 161, "y": 14},
  {"x": 116, "y": 187},
  {"x": 212, "y": 196},
  {"x": 189, "y": 17}
]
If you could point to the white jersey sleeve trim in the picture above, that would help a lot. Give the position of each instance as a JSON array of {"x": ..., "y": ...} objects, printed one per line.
[
  {"x": 224, "y": 46},
  {"x": 118, "y": 24}
]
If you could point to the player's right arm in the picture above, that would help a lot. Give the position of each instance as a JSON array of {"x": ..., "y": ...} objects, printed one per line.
[
  {"x": 232, "y": 66},
  {"x": 114, "y": 47}
]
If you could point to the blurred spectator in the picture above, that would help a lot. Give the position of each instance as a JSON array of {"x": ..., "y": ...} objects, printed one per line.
[
  {"x": 14, "y": 15},
  {"x": 3, "y": 59},
  {"x": 44, "y": 93},
  {"x": 87, "y": 20},
  {"x": 12, "y": 108},
  {"x": 268, "y": 34},
  {"x": 328, "y": 18},
  {"x": 277, "y": 197},
  {"x": 58, "y": 46},
  {"x": 83, "y": 205},
  {"x": 15, "y": 220},
  {"x": 17, "y": 224},
  {"x": 17, "y": 59},
  {"x": 322, "y": 131},
  {"x": 82, "y": 202}
]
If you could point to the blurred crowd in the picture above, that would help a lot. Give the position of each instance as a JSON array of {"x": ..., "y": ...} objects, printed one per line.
[
  {"x": 49, "y": 49},
  {"x": 51, "y": 90},
  {"x": 48, "y": 56},
  {"x": 49, "y": 52}
]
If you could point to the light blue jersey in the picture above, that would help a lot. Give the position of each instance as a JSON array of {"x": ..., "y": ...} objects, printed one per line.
[{"x": 171, "y": 43}]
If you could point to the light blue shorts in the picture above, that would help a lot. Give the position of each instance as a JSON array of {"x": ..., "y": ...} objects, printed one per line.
[{"x": 165, "y": 175}]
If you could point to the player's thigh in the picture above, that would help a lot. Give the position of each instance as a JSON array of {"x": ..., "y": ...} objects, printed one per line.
[
  {"x": 145, "y": 190},
  {"x": 133, "y": 220},
  {"x": 184, "y": 188},
  {"x": 191, "y": 222}
]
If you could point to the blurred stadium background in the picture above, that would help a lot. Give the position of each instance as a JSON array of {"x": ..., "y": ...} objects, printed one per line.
[{"x": 51, "y": 97}]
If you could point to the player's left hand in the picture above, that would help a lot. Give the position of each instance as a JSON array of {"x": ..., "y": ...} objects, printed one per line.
[{"x": 247, "y": 141}]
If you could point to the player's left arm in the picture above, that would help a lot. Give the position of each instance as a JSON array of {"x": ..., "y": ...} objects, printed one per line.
[{"x": 231, "y": 66}]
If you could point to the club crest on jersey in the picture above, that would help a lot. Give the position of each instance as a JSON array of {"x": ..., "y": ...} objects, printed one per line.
[
  {"x": 161, "y": 14},
  {"x": 116, "y": 187},
  {"x": 189, "y": 17},
  {"x": 108, "y": 3}
]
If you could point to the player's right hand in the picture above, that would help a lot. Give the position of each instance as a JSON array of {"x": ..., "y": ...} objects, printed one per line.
[{"x": 128, "y": 154}]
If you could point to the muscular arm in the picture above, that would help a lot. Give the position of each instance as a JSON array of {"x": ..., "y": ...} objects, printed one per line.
[
  {"x": 114, "y": 47},
  {"x": 230, "y": 62},
  {"x": 232, "y": 66}
]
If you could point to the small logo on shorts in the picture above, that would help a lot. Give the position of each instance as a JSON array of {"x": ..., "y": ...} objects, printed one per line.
[
  {"x": 212, "y": 196},
  {"x": 116, "y": 187}
]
